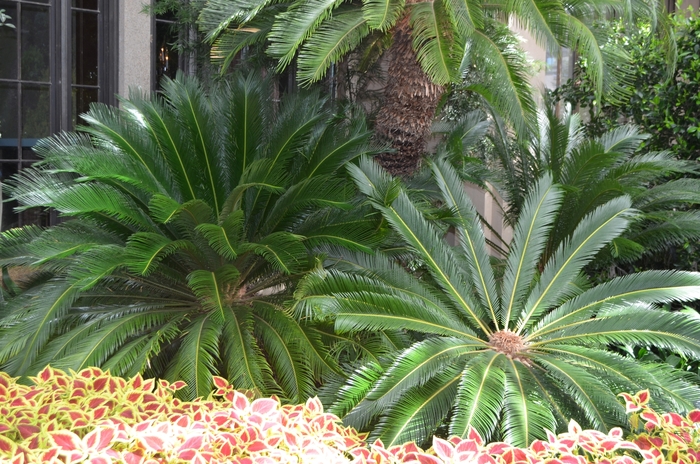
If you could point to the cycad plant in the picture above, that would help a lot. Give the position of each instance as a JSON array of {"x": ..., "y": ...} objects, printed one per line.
[
  {"x": 509, "y": 348},
  {"x": 189, "y": 218},
  {"x": 593, "y": 170}
]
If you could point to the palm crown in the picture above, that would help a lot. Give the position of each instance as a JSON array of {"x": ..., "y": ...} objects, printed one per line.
[
  {"x": 191, "y": 217},
  {"x": 513, "y": 349},
  {"x": 448, "y": 36},
  {"x": 593, "y": 171}
]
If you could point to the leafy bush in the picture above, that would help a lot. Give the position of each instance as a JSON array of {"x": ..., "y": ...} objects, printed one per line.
[
  {"x": 192, "y": 216},
  {"x": 511, "y": 348},
  {"x": 91, "y": 416},
  {"x": 668, "y": 109}
]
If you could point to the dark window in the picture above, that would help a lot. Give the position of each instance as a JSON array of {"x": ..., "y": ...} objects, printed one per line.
[
  {"x": 52, "y": 43},
  {"x": 167, "y": 56}
]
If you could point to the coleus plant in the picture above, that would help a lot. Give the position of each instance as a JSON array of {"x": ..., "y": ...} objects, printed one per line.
[{"x": 93, "y": 417}]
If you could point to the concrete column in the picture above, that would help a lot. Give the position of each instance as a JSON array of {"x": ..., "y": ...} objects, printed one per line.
[{"x": 135, "y": 47}]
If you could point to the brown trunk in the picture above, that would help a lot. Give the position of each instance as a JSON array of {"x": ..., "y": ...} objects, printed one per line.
[{"x": 410, "y": 102}]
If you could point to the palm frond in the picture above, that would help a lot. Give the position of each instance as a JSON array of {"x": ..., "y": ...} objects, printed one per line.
[
  {"x": 419, "y": 410},
  {"x": 529, "y": 240},
  {"x": 436, "y": 51},
  {"x": 525, "y": 415},
  {"x": 471, "y": 235},
  {"x": 508, "y": 90},
  {"x": 602, "y": 225},
  {"x": 479, "y": 399},
  {"x": 293, "y": 26},
  {"x": 332, "y": 40},
  {"x": 196, "y": 359},
  {"x": 382, "y": 14}
]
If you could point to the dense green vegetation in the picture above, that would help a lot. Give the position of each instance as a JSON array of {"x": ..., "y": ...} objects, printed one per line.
[
  {"x": 216, "y": 230},
  {"x": 191, "y": 218}
]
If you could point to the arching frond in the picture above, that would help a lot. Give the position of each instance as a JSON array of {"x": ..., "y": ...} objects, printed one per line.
[{"x": 333, "y": 40}]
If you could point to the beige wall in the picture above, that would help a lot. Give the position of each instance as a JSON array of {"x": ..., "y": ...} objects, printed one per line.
[
  {"x": 135, "y": 47},
  {"x": 490, "y": 206}
]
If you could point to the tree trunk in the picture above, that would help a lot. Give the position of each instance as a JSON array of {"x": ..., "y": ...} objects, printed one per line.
[{"x": 411, "y": 101}]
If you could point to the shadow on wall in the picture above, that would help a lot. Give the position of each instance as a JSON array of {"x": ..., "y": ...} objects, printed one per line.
[{"x": 489, "y": 205}]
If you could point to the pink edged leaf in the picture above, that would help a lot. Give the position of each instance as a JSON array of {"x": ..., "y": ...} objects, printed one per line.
[
  {"x": 474, "y": 435},
  {"x": 99, "y": 460},
  {"x": 137, "y": 381},
  {"x": 264, "y": 406},
  {"x": 99, "y": 439},
  {"x": 66, "y": 440},
  {"x": 572, "y": 459},
  {"x": 148, "y": 385},
  {"x": 469, "y": 446},
  {"x": 539, "y": 447},
  {"x": 609, "y": 445},
  {"x": 290, "y": 439},
  {"x": 673, "y": 419},
  {"x": 694, "y": 416},
  {"x": 574, "y": 428},
  {"x": 179, "y": 385},
  {"x": 132, "y": 458},
  {"x": 485, "y": 459},
  {"x": 616, "y": 432},
  {"x": 220, "y": 382},
  {"x": 256, "y": 445},
  {"x": 7, "y": 446},
  {"x": 99, "y": 384},
  {"x": 240, "y": 401},
  {"x": 193, "y": 443},
  {"x": 651, "y": 418},
  {"x": 642, "y": 397},
  {"x": 427, "y": 459},
  {"x": 28, "y": 430},
  {"x": 152, "y": 442},
  {"x": 442, "y": 448},
  {"x": 314, "y": 405},
  {"x": 46, "y": 374}
]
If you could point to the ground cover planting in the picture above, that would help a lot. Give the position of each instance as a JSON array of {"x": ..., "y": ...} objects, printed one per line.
[{"x": 92, "y": 416}]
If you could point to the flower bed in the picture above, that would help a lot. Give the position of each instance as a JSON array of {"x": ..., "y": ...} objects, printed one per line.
[{"x": 93, "y": 417}]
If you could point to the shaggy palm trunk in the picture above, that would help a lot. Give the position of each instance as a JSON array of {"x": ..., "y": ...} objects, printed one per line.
[{"x": 411, "y": 100}]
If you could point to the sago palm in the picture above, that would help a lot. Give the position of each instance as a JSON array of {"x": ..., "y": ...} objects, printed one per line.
[
  {"x": 189, "y": 218},
  {"x": 511, "y": 350},
  {"x": 435, "y": 43},
  {"x": 594, "y": 170}
]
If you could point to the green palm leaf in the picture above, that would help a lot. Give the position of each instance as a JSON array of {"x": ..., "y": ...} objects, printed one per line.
[
  {"x": 603, "y": 224},
  {"x": 195, "y": 360},
  {"x": 295, "y": 25},
  {"x": 435, "y": 51},
  {"x": 479, "y": 400},
  {"x": 382, "y": 14},
  {"x": 529, "y": 239},
  {"x": 332, "y": 40}
]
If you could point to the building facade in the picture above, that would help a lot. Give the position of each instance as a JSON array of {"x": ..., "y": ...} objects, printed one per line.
[{"x": 57, "y": 57}]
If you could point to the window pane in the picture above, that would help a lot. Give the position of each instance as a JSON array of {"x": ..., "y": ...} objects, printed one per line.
[
  {"x": 167, "y": 57},
  {"x": 9, "y": 219},
  {"x": 28, "y": 154},
  {"x": 8, "y": 43},
  {"x": 87, "y": 4},
  {"x": 35, "y": 43},
  {"x": 81, "y": 102},
  {"x": 8, "y": 149},
  {"x": 36, "y": 109},
  {"x": 8, "y": 111},
  {"x": 84, "y": 48}
]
